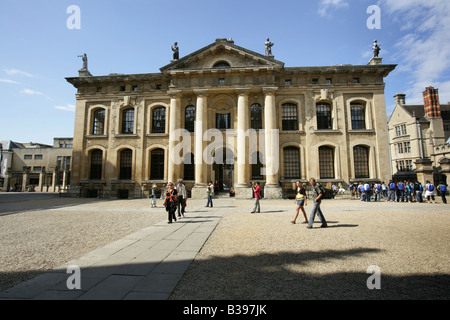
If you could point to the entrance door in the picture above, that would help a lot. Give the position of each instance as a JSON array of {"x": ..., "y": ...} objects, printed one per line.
[{"x": 224, "y": 168}]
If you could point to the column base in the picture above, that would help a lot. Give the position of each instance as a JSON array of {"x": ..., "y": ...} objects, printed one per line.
[
  {"x": 243, "y": 192},
  {"x": 199, "y": 191},
  {"x": 273, "y": 192}
]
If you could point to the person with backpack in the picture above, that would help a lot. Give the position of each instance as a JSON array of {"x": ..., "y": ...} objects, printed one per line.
[
  {"x": 430, "y": 192},
  {"x": 367, "y": 191},
  {"x": 361, "y": 191},
  {"x": 401, "y": 191},
  {"x": 377, "y": 188},
  {"x": 418, "y": 189},
  {"x": 170, "y": 201},
  {"x": 392, "y": 190},
  {"x": 443, "y": 192},
  {"x": 318, "y": 194}
]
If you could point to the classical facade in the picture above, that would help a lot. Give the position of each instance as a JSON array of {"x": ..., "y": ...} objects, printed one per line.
[
  {"x": 418, "y": 136},
  {"x": 231, "y": 115},
  {"x": 36, "y": 166}
]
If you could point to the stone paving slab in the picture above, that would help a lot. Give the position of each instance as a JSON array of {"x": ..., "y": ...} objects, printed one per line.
[{"x": 146, "y": 264}]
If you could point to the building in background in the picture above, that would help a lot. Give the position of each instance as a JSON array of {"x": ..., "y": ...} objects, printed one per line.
[
  {"x": 330, "y": 123},
  {"x": 36, "y": 166},
  {"x": 418, "y": 136}
]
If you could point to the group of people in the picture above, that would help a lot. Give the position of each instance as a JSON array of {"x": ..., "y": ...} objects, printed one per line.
[
  {"x": 174, "y": 199},
  {"x": 404, "y": 191}
]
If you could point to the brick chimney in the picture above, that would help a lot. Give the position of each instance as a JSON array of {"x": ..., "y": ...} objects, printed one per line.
[{"x": 431, "y": 103}]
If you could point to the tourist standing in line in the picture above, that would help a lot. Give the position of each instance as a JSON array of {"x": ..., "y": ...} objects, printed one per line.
[
  {"x": 209, "y": 192},
  {"x": 392, "y": 191},
  {"x": 257, "y": 192},
  {"x": 182, "y": 195},
  {"x": 443, "y": 192},
  {"x": 300, "y": 200},
  {"x": 430, "y": 192},
  {"x": 317, "y": 196},
  {"x": 171, "y": 201},
  {"x": 418, "y": 189}
]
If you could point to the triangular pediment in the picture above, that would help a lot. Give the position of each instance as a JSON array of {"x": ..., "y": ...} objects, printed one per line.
[{"x": 222, "y": 54}]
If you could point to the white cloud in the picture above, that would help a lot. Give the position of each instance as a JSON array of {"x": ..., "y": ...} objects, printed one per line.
[
  {"x": 325, "y": 5},
  {"x": 424, "y": 51},
  {"x": 9, "y": 81},
  {"x": 32, "y": 92},
  {"x": 69, "y": 107},
  {"x": 20, "y": 72}
]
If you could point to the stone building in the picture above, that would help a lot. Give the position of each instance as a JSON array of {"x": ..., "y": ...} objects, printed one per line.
[
  {"x": 418, "y": 135},
  {"x": 36, "y": 166},
  {"x": 237, "y": 116}
]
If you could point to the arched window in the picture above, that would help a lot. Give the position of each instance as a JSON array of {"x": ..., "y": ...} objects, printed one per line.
[
  {"x": 126, "y": 164},
  {"x": 157, "y": 164},
  {"x": 223, "y": 121},
  {"x": 159, "y": 120},
  {"x": 256, "y": 117},
  {"x": 289, "y": 116},
  {"x": 189, "y": 167},
  {"x": 221, "y": 64},
  {"x": 189, "y": 118},
  {"x": 96, "y": 164},
  {"x": 98, "y": 125},
  {"x": 361, "y": 161},
  {"x": 256, "y": 166},
  {"x": 323, "y": 112},
  {"x": 326, "y": 162},
  {"x": 291, "y": 161},
  {"x": 358, "y": 114},
  {"x": 128, "y": 121}
]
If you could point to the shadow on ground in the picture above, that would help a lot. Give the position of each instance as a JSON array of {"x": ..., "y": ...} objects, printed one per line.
[{"x": 264, "y": 276}]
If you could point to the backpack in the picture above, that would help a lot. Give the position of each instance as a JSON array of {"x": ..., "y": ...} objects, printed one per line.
[
  {"x": 420, "y": 187},
  {"x": 392, "y": 186},
  {"x": 443, "y": 188},
  {"x": 400, "y": 186},
  {"x": 378, "y": 186},
  {"x": 366, "y": 187},
  {"x": 430, "y": 187}
]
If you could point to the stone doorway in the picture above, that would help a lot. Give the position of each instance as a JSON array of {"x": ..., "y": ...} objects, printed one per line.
[{"x": 223, "y": 169}]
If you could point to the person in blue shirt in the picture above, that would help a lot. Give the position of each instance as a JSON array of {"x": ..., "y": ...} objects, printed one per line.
[
  {"x": 391, "y": 191},
  {"x": 401, "y": 191},
  {"x": 443, "y": 192}
]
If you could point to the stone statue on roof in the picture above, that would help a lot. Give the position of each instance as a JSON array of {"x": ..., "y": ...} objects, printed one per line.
[
  {"x": 269, "y": 46},
  {"x": 176, "y": 51},
  {"x": 85, "y": 61},
  {"x": 376, "y": 49}
]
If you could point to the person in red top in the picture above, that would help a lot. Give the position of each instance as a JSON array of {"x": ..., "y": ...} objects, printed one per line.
[{"x": 257, "y": 192}]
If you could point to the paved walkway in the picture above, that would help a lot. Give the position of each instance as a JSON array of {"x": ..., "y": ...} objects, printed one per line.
[{"x": 144, "y": 265}]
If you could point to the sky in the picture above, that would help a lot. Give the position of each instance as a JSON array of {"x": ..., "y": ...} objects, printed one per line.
[{"x": 42, "y": 39}]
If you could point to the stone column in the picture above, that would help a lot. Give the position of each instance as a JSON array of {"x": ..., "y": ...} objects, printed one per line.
[
  {"x": 174, "y": 116},
  {"x": 424, "y": 170},
  {"x": 242, "y": 189},
  {"x": 199, "y": 189},
  {"x": 272, "y": 189}
]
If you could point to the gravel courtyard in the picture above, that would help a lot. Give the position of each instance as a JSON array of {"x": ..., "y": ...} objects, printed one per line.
[{"x": 250, "y": 256}]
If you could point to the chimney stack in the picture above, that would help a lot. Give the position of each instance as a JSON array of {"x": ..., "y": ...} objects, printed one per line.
[
  {"x": 431, "y": 102},
  {"x": 400, "y": 99}
]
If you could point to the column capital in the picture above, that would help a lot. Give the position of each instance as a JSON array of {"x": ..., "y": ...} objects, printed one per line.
[
  {"x": 243, "y": 91},
  {"x": 174, "y": 94},
  {"x": 270, "y": 90},
  {"x": 201, "y": 92}
]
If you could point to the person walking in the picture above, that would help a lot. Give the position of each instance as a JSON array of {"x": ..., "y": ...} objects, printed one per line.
[
  {"x": 300, "y": 200},
  {"x": 209, "y": 192},
  {"x": 153, "y": 196},
  {"x": 318, "y": 194},
  {"x": 443, "y": 192},
  {"x": 182, "y": 195},
  {"x": 170, "y": 201},
  {"x": 257, "y": 192}
]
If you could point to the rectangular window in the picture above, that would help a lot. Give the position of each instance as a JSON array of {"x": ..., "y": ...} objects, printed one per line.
[
  {"x": 291, "y": 163},
  {"x": 329, "y": 81},
  {"x": 221, "y": 81},
  {"x": 315, "y": 81},
  {"x": 135, "y": 88},
  {"x": 446, "y": 127},
  {"x": 404, "y": 132},
  {"x": 400, "y": 148},
  {"x": 122, "y": 88},
  {"x": 288, "y": 82},
  {"x": 356, "y": 80},
  {"x": 326, "y": 163},
  {"x": 397, "y": 131},
  {"x": 126, "y": 157},
  {"x": 37, "y": 169},
  {"x": 289, "y": 117},
  {"x": 223, "y": 121},
  {"x": 358, "y": 117},
  {"x": 38, "y": 157},
  {"x": 361, "y": 158},
  {"x": 157, "y": 165},
  {"x": 28, "y": 157},
  {"x": 407, "y": 147}
]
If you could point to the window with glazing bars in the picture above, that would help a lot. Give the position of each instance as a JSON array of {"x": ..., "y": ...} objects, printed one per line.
[
  {"x": 361, "y": 158},
  {"x": 326, "y": 163},
  {"x": 289, "y": 117},
  {"x": 323, "y": 111},
  {"x": 358, "y": 115},
  {"x": 189, "y": 167},
  {"x": 99, "y": 121},
  {"x": 128, "y": 121},
  {"x": 126, "y": 157},
  {"x": 190, "y": 118},
  {"x": 256, "y": 117},
  {"x": 159, "y": 120},
  {"x": 291, "y": 160},
  {"x": 96, "y": 164},
  {"x": 223, "y": 120},
  {"x": 157, "y": 165}
]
